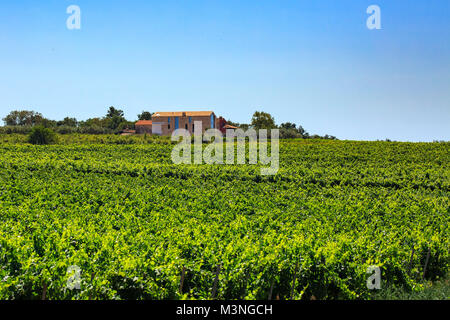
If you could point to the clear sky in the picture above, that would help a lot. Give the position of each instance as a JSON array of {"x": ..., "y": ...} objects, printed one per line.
[{"x": 311, "y": 62}]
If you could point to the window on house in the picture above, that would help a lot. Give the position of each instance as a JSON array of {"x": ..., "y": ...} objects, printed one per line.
[
  {"x": 190, "y": 119},
  {"x": 185, "y": 126}
]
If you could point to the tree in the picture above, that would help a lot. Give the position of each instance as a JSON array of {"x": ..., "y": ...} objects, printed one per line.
[
  {"x": 114, "y": 122},
  {"x": 302, "y": 131},
  {"x": 41, "y": 135},
  {"x": 288, "y": 125},
  {"x": 69, "y": 122},
  {"x": 231, "y": 123},
  {"x": 145, "y": 115},
  {"x": 262, "y": 120},
  {"x": 46, "y": 123},
  {"x": 114, "y": 118},
  {"x": 113, "y": 112},
  {"x": 23, "y": 118},
  {"x": 126, "y": 125},
  {"x": 93, "y": 122},
  {"x": 289, "y": 133},
  {"x": 243, "y": 126}
]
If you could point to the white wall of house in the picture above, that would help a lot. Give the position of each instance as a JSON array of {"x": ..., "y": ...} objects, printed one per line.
[{"x": 157, "y": 128}]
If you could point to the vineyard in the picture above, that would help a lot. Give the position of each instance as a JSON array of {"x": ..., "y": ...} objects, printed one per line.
[{"x": 140, "y": 227}]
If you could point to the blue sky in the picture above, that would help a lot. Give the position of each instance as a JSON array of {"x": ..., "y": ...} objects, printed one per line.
[{"x": 314, "y": 63}]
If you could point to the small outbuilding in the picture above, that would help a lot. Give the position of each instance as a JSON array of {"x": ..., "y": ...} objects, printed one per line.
[
  {"x": 127, "y": 132},
  {"x": 144, "y": 126},
  {"x": 229, "y": 127}
]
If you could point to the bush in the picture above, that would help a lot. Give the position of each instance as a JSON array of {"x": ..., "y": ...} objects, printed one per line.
[{"x": 41, "y": 135}]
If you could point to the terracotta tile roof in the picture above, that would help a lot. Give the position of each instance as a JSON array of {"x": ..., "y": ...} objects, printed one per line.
[
  {"x": 144, "y": 123},
  {"x": 228, "y": 126},
  {"x": 183, "y": 113}
]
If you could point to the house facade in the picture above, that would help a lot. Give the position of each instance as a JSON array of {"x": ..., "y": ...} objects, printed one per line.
[
  {"x": 164, "y": 123},
  {"x": 143, "y": 126}
]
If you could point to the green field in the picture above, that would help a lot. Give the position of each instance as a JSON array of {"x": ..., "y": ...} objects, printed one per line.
[{"x": 118, "y": 208}]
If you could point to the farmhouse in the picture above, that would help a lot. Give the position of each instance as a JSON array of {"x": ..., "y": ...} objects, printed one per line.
[{"x": 164, "y": 123}]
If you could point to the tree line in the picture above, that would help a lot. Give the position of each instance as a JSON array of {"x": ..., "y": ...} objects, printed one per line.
[
  {"x": 288, "y": 130},
  {"x": 21, "y": 121}
]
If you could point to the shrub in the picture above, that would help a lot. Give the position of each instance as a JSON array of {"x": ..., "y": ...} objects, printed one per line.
[{"x": 41, "y": 135}]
